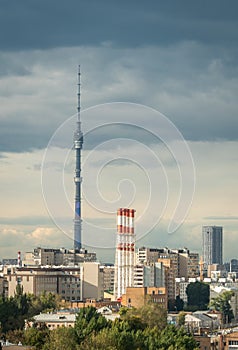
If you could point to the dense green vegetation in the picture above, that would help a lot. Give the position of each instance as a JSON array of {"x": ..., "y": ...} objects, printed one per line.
[
  {"x": 222, "y": 303},
  {"x": 15, "y": 310},
  {"x": 137, "y": 329},
  {"x": 198, "y": 296}
]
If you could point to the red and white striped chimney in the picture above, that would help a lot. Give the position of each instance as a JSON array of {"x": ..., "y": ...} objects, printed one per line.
[{"x": 125, "y": 250}]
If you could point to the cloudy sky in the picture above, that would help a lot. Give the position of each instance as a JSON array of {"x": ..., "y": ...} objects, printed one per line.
[{"x": 173, "y": 66}]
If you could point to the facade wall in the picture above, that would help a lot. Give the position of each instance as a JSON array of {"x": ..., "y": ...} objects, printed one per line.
[
  {"x": 230, "y": 341},
  {"x": 193, "y": 265},
  {"x": 147, "y": 255},
  {"x": 56, "y": 257},
  {"x": 72, "y": 284},
  {"x": 171, "y": 272},
  {"x": 137, "y": 297},
  {"x": 181, "y": 286},
  {"x": 1, "y": 285},
  {"x": 212, "y": 245},
  {"x": 152, "y": 275},
  {"x": 204, "y": 342},
  {"x": 108, "y": 277},
  {"x": 92, "y": 281}
]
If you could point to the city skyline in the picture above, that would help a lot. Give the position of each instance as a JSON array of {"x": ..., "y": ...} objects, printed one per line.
[{"x": 183, "y": 64}]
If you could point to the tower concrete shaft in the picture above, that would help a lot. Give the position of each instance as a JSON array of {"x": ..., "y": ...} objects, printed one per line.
[
  {"x": 78, "y": 144},
  {"x": 125, "y": 251}
]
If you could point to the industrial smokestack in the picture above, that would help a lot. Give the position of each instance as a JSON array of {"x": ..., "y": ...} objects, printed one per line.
[{"x": 125, "y": 251}]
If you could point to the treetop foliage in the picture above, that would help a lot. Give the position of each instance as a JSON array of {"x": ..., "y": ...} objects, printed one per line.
[
  {"x": 198, "y": 295},
  {"x": 144, "y": 328}
]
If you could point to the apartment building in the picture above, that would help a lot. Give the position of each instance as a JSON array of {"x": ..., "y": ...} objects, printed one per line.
[
  {"x": 56, "y": 257},
  {"x": 71, "y": 283}
]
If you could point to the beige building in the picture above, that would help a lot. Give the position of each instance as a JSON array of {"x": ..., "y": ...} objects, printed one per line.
[
  {"x": 147, "y": 255},
  {"x": 53, "y": 320},
  {"x": 188, "y": 264},
  {"x": 71, "y": 283},
  {"x": 230, "y": 341},
  {"x": 56, "y": 257},
  {"x": 139, "y": 296},
  {"x": 108, "y": 277},
  {"x": 92, "y": 281},
  {"x": 171, "y": 269}
]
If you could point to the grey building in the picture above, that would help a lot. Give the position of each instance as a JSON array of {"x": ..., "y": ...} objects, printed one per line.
[{"x": 212, "y": 237}]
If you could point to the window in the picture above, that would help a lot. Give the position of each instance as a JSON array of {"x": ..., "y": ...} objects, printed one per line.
[{"x": 233, "y": 342}]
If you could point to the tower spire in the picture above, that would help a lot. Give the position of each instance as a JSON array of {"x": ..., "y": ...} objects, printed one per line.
[{"x": 78, "y": 144}]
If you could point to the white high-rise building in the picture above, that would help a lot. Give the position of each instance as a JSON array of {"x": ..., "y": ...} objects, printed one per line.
[
  {"x": 212, "y": 245},
  {"x": 125, "y": 251}
]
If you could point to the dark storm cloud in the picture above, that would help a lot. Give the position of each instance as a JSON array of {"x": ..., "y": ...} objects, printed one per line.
[
  {"x": 22, "y": 136},
  {"x": 41, "y": 24},
  {"x": 178, "y": 57}
]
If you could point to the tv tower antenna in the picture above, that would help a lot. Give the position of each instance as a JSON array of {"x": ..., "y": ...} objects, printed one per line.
[{"x": 78, "y": 145}]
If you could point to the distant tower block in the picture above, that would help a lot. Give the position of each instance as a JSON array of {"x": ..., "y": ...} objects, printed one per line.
[
  {"x": 125, "y": 251},
  {"x": 78, "y": 144}
]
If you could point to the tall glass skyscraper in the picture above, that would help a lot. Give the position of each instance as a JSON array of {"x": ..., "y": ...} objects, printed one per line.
[{"x": 212, "y": 237}]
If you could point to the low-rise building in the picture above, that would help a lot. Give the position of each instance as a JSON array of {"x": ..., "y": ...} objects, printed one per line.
[
  {"x": 53, "y": 320},
  {"x": 201, "y": 320},
  {"x": 230, "y": 341},
  {"x": 65, "y": 318},
  {"x": 139, "y": 296}
]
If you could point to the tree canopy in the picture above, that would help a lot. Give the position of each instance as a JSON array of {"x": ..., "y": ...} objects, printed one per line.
[
  {"x": 144, "y": 328},
  {"x": 198, "y": 295},
  {"x": 222, "y": 303}
]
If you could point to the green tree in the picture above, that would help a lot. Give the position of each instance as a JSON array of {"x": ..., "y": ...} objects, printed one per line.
[
  {"x": 170, "y": 338},
  {"x": 222, "y": 303},
  {"x": 198, "y": 295},
  {"x": 149, "y": 315},
  {"x": 171, "y": 305},
  {"x": 89, "y": 321},
  {"x": 181, "y": 318},
  {"x": 61, "y": 339},
  {"x": 15, "y": 336},
  {"x": 9, "y": 314},
  {"x": 36, "y": 337},
  {"x": 179, "y": 303}
]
